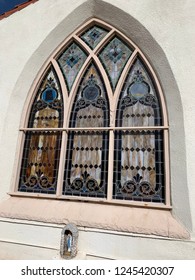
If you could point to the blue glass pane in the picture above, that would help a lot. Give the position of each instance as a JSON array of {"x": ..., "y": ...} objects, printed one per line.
[
  {"x": 70, "y": 62},
  {"x": 93, "y": 36},
  {"x": 114, "y": 57},
  {"x": 138, "y": 89},
  {"x": 49, "y": 95}
]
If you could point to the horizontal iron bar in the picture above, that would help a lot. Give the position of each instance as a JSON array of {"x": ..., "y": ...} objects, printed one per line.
[{"x": 97, "y": 128}]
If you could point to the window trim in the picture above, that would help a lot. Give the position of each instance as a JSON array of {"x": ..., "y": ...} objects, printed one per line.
[{"x": 69, "y": 99}]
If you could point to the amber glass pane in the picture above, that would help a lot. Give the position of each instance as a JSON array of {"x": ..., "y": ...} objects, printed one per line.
[
  {"x": 138, "y": 155},
  {"x": 86, "y": 158},
  {"x": 41, "y": 149}
]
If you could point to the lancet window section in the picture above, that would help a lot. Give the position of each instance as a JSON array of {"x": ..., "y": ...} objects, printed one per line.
[
  {"x": 40, "y": 159},
  {"x": 87, "y": 150},
  {"x": 139, "y": 158}
]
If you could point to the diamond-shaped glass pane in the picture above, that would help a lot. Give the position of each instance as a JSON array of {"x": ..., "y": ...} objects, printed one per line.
[
  {"x": 93, "y": 36},
  {"x": 114, "y": 57},
  {"x": 70, "y": 62}
]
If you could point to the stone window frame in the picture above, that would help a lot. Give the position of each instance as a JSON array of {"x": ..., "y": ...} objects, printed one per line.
[{"x": 69, "y": 99}]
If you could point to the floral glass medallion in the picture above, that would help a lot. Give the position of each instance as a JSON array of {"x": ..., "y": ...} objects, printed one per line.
[
  {"x": 114, "y": 57},
  {"x": 70, "y": 62},
  {"x": 93, "y": 36}
]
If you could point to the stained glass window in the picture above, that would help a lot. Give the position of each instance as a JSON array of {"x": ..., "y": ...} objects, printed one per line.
[
  {"x": 87, "y": 152},
  {"x": 93, "y": 36},
  {"x": 42, "y": 148},
  {"x": 114, "y": 57},
  {"x": 138, "y": 166},
  {"x": 70, "y": 62},
  {"x": 102, "y": 122}
]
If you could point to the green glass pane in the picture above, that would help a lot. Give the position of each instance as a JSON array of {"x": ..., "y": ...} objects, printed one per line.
[
  {"x": 93, "y": 36},
  {"x": 70, "y": 62},
  {"x": 114, "y": 57}
]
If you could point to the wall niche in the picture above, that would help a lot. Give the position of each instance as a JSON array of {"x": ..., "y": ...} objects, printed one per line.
[{"x": 69, "y": 241}]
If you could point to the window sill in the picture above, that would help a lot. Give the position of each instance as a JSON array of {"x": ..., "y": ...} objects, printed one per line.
[
  {"x": 136, "y": 220},
  {"x": 129, "y": 203}
]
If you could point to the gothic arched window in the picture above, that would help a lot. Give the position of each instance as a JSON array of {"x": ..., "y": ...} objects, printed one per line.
[{"x": 97, "y": 127}]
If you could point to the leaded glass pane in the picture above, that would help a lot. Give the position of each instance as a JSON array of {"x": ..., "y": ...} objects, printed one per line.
[
  {"x": 114, "y": 57},
  {"x": 70, "y": 62},
  {"x": 42, "y": 148},
  {"x": 138, "y": 104},
  {"x": 138, "y": 155},
  {"x": 87, "y": 151},
  {"x": 138, "y": 166},
  {"x": 93, "y": 36}
]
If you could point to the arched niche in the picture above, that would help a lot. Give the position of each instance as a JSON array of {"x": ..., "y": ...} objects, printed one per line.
[{"x": 69, "y": 241}]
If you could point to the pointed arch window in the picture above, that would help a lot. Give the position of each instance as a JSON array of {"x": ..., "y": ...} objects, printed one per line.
[
  {"x": 87, "y": 150},
  {"x": 139, "y": 151},
  {"x": 40, "y": 159},
  {"x": 97, "y": 127}
]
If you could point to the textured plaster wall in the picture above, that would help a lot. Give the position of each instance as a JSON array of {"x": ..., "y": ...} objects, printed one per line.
[{"x": 162, "y": 29}]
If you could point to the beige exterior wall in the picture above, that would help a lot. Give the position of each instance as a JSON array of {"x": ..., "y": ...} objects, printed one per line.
[
  {"x": 164, "y": 32},
  {"x": 42, "y": 241}
]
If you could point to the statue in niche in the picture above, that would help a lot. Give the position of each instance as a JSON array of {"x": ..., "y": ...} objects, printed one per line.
[{"x": 69, "y": 240}]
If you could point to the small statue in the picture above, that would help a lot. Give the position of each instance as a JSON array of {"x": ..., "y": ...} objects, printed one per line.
[{"x": 69, "y": 242}]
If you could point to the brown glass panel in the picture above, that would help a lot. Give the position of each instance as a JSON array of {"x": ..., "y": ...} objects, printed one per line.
[
  {"x": 40, "y": 162},
  {"x": 42, "y": 148}
]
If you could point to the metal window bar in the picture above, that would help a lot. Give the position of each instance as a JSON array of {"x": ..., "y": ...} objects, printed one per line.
[{"x": 97, "y": 128}]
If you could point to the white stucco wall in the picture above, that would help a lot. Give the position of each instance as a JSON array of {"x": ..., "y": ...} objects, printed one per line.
[
  {"x": 92, "y": 243},
  {"x": 162, "y": 29}
]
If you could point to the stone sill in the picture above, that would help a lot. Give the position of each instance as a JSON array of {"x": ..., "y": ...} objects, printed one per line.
[{"x": 158, "y": 222}]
